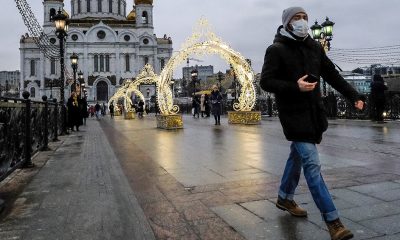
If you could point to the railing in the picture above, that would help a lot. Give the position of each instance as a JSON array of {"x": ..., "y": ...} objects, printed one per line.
[{"x": 25, "y": 128}]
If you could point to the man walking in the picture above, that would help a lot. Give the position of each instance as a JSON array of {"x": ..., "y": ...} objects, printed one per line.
[{"x": 292, "y": 69}]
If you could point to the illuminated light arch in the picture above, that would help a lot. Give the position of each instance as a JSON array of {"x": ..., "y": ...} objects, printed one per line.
[
  {"x": 121, "y": 93},
  {"x": 146, "y": 76},
  {"x": 204, "y": 42}
]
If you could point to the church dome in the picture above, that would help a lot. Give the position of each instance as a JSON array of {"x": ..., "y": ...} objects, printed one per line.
[
  {"x": 137, "y": 2},
  {"x": 132, "y": 15}
]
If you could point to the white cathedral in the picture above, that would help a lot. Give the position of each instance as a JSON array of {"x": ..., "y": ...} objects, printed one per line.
[{"x": 111, "y": 45}]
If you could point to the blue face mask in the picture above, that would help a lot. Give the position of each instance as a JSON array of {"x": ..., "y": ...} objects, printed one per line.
[{"x": 300, "y": 28}]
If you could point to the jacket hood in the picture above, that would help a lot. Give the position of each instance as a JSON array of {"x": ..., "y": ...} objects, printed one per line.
[{"x": 286, "y": 40}]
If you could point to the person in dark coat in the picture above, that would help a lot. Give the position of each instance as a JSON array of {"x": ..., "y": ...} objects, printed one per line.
[
  {"x": 292, "y": 69},
  {"x": 84, "y": 110},
  {"x": 196, "y": 106},
  {"x": 207, "y": 104},
  {"x": 140, "y": 109},
  {"x": 216, "y": 106},
  {"x": 97, "y": 108},
  {"x": 378, "y": 89},
  {"x": 74, "y": 112},
  {"x": 111, "y": 108}
]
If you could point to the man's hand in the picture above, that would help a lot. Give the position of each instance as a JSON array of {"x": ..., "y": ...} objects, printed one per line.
[
  {"x": 359, "y": 105},
  {"x": 305, "y": 86}
]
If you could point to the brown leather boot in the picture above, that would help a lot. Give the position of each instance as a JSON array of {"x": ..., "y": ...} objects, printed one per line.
[
  {"x": 291, "y": 206},
  {"x": 338, "y": 231}
]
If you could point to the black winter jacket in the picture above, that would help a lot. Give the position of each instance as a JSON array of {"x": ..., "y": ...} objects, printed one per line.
[{"x": 302, "y": 114}]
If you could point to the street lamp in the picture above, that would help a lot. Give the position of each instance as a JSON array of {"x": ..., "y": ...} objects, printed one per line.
[
  {"x": 220, "y": 77},
  {"x": 323, "y": 34},
  {"x": 194, "y": 73},
  {"x": 81, "y": 82},
  {"x": 61, "y": 23},
  {"x": 74, "y": 64}
]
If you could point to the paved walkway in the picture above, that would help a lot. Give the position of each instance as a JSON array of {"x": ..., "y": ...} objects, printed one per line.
[
  {"x": 120, "y": 177},
  {"x": 81, "y": 193}
]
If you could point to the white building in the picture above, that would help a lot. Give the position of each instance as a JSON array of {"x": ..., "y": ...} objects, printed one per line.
[{"x": 111, "y": 45}]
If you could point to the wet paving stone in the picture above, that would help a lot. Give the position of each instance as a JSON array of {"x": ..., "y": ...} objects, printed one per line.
[
  {"x": 368, "y": 212},
  {"x": 222, "y": 183},
  {"x": 389, "y": 225},
  {"x": 376, "y": 187}
]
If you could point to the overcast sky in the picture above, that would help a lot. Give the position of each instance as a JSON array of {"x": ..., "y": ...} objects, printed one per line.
[{"x": 248, "y": 26}]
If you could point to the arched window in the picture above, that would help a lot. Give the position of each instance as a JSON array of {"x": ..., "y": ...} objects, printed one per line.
[
  {"x": 96, "y": 63},
  {"x": 101, "y": 63},
  {"x": 107, "y": 63},
  {"x": 52, "y": 66},
  {"x": 88, "y": 5},
  {"x": 102, "y": 91},
  {"x": 119, "y": 7},
  {"x": 110, "y": 7},
  {"x": 127, "y": 63},
  {"x": 52, "y": 13},
  {"x": 33, "y": 68},
  {"x": 145, "y": 17},
  {"x": 124, "y": 9},
  {"x": 162, "y": 63},
  {"x": 79, "y": 6},
  {"x": 99, "y": 5},
  {"x": 33, "y": 92},
  {"x": 146, "y": 60}
]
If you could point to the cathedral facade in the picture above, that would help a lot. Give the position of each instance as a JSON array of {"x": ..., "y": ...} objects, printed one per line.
[{"x": 112, "y": 45}]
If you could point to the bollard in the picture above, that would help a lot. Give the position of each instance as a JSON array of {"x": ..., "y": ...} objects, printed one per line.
[
  {"x": 28, "y": 141},
  {"x": 46, "y": 124},
  {"x": 55, "y": 139}
]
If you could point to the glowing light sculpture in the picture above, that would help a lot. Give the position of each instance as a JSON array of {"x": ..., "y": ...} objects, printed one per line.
[{"x": 205, "y": 42}]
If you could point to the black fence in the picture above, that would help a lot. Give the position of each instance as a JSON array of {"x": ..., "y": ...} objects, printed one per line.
[{"x": 25, "y": 128}]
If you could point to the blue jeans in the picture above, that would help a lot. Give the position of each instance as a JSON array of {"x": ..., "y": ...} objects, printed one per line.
[{"x": 305, "y": 155}]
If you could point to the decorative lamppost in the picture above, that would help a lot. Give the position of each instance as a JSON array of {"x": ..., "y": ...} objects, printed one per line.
[
  {"x": 323, "y": 34},
  {"x": 81, "y": 82},
  {"x": 61, "y": 22},
  {"x": 220, "y": 77},
  {"x": 74, "y": 64},
  {"x": 194, "y": 73}
]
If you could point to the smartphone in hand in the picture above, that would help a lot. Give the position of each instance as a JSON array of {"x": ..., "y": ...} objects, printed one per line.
[{"x": 311, "y": 78}]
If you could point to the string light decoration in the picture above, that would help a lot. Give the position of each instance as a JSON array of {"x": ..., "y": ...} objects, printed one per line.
[
  {"x": 202, "y": 42},
  {"x": 371, "y": 55},
  {"x": 146, "y": 76},
  {"x": 38, "y": 35},
  {"x": 120, "y": 93}
]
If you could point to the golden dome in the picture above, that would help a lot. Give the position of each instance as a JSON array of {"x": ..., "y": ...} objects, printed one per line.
[
  {"x": 137, "y": 2},
  {"x": 132, "y": 15}
]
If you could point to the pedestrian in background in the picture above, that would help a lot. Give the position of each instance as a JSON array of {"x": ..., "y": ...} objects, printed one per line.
[
  {"x": 292, "y": 68},
  {"x": 111, "y": 110},
  {"x": 207, "y": 104},
  {"x": 216, "y": 107},
  {"x": 74, "y": 112},
  {"x": 196, "y": 106},
  {"x": 378, "y": 89},
  {"x": 97, "y": 109},
  {"x": 203, "y": 105},
  {"x": 140, "y": 109},
  {"x": 103, "y": 110},
  {"x": 84, "y": 109}
]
